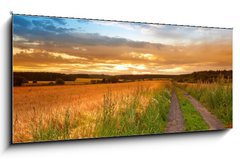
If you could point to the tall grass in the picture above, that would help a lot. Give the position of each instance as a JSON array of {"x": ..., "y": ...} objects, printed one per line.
[
  {"x": 217, "y": 97},
  {"x": 134, "y": 119},
  {"x": 53, "y": 129},
  {"x": 136, "y": 110}
]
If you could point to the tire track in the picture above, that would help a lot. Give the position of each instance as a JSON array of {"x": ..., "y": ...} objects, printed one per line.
[
  {"x": 175, "y": 119},
  {"x": 213, "y": 122}
]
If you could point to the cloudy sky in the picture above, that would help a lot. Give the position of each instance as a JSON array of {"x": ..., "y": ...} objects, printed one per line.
[{"x": 65, "y": 45}]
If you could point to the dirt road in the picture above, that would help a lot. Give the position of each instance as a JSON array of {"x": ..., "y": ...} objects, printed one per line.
[
  {"x": 175, "y": 118},
  {"x": 211, "y": 120}
]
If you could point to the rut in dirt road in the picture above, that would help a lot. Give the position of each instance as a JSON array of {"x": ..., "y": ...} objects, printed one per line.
[
  {"x": 211, "y": 120},
  {"x": 175, "y": 118}
]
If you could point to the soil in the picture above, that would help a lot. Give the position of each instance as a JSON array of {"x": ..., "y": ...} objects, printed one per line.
[{"x": 175, "y": 118}]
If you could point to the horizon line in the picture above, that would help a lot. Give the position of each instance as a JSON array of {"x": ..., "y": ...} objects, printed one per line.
[{"x": 116, "y": 74}]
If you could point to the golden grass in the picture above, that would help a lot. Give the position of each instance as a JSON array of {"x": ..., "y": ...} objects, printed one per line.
[{"x": 83, "y": 102}]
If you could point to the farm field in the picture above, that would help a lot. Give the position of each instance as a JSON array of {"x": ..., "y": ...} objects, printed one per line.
[
  {"x": 37, "y": 110},
  {"x": 104, "y": 110}
]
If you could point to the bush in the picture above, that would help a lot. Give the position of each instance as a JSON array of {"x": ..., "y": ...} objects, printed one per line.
[
  {"x": 51, "y": 83},
  {"x": 19, "y": 80},
  {"x": 93, "y": 81},
  {"x": 60, "y": 81},
  {"x": 104, "y": 80}
]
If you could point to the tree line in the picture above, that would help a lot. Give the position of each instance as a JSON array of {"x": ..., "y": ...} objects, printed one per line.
[
  {"x": 59, "y": 78},
  {"x": 205, "y": 76}
]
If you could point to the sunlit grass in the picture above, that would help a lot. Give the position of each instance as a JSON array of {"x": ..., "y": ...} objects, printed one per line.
[
  {"x": 133, "y": 119},
  {"x": 216, "y": 97}
]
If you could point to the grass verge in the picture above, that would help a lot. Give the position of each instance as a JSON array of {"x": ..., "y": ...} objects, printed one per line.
[
  {"x": 216, "y": 97},
  {"x": 192, "y": 118},
  {"x": 132, "y": 120}
]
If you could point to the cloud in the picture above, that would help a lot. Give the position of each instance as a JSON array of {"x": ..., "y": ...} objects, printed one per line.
[
  {"x": 59, "y": 20},
  {"x": 21, "y": 21},
  {"x": 46, "y": 31},
  {"x": 41, "y": 43},
  {"x": 127, "y": 60},
  {"x": 48, "y": 26}
]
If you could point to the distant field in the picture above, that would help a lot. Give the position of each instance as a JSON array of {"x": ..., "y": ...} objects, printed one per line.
[
  {"x": 71, "y": 112},
  {"x": 82, "y": 81},
  {"x": 85, "y": 80},
  {"x": 78, "y": 81}
]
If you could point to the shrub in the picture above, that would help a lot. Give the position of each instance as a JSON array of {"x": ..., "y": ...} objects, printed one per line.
[
  {"x": 104, "y": 80},
  {"x": 50, "y": 83},
  {"x": 60, "y": 81},
  {"x": 93, "y": 81}
]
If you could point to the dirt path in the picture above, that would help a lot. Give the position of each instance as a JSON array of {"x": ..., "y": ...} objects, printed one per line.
[
  {"x": 211, "y": 120},
  {"x": 175, "y": 118}
]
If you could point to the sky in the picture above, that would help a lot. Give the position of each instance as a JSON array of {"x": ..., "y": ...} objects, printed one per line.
[{"x": 72, "y": 46}]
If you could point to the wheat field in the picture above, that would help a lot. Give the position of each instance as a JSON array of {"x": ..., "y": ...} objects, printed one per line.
[{"x": 77, "y": 107}]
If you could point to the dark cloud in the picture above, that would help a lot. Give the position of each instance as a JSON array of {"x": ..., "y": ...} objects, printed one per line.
[
  {"x": 21, "y": 21},
  {"x": 48, "y": 26},
  {"x": 46, "y": 31},
  {"x": 37, "y": 29},
  {"x": 60, "y": 36}
]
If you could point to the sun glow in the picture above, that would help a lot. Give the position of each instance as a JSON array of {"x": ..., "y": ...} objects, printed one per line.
[{"x": 120, "y": 67}]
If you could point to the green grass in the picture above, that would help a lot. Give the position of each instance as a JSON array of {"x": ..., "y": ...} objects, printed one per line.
[
  {"x": 192, "y": 118},
  {"x": 131, "y": 121},
  {"x": 216, "y": 97},
  {"x": 54, "y": 129}
]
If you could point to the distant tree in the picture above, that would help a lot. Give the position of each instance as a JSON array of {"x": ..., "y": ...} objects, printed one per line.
[
  {"x": 93, "y": 81},
  {"x": 19, "y": 80},
  {"x": 60, "y": 81},
  {"x": 104, "y": 80},
  {"x": 114, "y": 80}
]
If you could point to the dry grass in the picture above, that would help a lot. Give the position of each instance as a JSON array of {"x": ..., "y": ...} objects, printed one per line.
[{"x": 35, "y": 107}]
